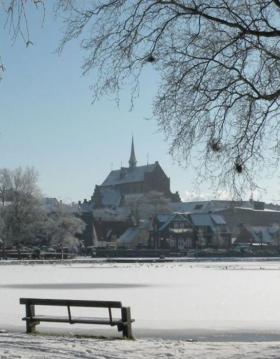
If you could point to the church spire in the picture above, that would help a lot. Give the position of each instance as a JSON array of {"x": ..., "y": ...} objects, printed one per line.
[{"x": 132, "y": 160}]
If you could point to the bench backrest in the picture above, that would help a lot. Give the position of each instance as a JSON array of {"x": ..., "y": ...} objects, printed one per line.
[{"x": 71, "y": 302}]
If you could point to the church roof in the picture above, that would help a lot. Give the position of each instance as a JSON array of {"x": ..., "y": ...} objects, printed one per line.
[{"x": 128, "y": 175}]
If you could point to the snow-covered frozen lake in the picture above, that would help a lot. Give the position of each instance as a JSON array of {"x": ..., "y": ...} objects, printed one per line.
[
  {"x": 169, "y": 300},
  {"x": 226, "y": 310}
]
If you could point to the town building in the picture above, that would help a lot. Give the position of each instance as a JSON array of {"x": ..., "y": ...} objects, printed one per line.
[
  {"x": 211, "y": 230},
  {"x": 181, "y": 231},
  {"x": 132, "y": 180},
  {"x": 259, "y": 235},
  {"x": 173, "y": 231},
  {"x": 238, "y": 217}
]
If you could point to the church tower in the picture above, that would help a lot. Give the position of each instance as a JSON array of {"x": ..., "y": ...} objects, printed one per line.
[{"x": 132, "y": 160}]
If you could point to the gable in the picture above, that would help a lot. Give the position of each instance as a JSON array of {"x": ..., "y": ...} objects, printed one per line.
[{"x": 167, "y": 220}]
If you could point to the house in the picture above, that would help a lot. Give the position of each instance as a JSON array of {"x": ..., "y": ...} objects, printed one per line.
[
  {"x": 110, "y": 224},
  {"x": 214, "y": 205},
  {"x": 237, "y": 217},
  {"x": 211, "y": 230},
  {"x": 172, "y": 231},
  {"x": 136, "y": 237},
  {"x": 259, "y": 235}
]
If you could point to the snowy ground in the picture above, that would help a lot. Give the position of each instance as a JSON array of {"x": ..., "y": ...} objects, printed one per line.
[
  {"x": 182, "y": 310},
  {"x": 19, "y": 346}
]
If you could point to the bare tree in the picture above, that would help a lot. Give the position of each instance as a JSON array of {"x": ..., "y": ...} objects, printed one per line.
[
  {"x": 16, "y": 17},
  {"x": 218, "y": 61}
]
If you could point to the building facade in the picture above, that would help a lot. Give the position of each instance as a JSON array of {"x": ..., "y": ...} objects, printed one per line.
[{"x": 132, "y": 180}]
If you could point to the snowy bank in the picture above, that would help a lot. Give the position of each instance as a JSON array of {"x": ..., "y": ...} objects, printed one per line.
[{"x": 22, "y": 346}]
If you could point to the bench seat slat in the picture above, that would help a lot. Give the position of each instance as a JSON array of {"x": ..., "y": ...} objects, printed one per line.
[
  {"x": 63, "y": 319},
  {"x": 74, "y": 320},
  {"x": 71, "y": 302}
]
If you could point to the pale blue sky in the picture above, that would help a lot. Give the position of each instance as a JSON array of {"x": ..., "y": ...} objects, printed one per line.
[{"x": 48, "y": 121}]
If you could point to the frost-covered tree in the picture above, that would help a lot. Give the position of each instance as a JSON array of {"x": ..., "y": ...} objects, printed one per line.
[
  {"x": 65, "y": 229},
  {"x": 24, "y": 220},
  {"x": 5, "y": 185},
  {"x": 21, "y": 211}
]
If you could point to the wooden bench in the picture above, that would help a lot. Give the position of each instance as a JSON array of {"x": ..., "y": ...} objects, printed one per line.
[{"x": 123, "y": 323}]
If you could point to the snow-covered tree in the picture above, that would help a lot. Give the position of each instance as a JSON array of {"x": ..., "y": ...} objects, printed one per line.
[
  {"x": 23, "y": 219},
  {"x": 65, "y": 229},
  {"x": 21, "y": 212}
]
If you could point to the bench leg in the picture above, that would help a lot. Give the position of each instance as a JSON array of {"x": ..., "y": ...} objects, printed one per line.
[
  {"x": 126, "y": 318},
  {"x": 30, "y": 324}
]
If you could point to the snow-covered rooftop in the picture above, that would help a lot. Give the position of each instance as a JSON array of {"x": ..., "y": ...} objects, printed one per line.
[
  {"x": 207, "y": 219},
  {"x": 202, "y": 219},
  {"x": 128, "y": 175},
  {"x": 216, "y": 205},
  {"x": 129, "y": 236},
  {"x": 165, "y": 219},
  {"x": 263, "y": 234},
  {"x": 218, "y": 219}
]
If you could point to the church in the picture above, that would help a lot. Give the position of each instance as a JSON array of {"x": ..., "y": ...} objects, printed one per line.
[{"x": 132, "y": 180}]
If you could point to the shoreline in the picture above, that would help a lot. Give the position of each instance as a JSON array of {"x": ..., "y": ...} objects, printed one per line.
[
  {"x": 192, "y": 335},
  {"x": 137, "y": 260}
]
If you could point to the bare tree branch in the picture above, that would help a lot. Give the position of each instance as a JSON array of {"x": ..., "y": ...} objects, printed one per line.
[{"x": 219, "y": 62}]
